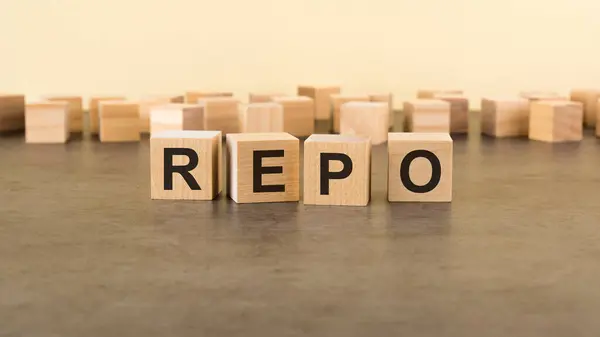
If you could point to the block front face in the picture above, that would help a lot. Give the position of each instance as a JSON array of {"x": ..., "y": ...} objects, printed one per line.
[
  {"x": 389, "y": 99},
  {"x": 186, "y": 165},
  {"x": 75, "y": 110},
  {"x": 420, "y": 167},
  {"x": 176, "y": 116},
  {"x": 47, "y": 122},
  {"x": 12, "y": 112},
  {"x": 337, "y": 170},
  {"x": 589, "y": 99},
  {"x": 336, "y": 105},
  {"x": 263, "y": 167},
  {"x": 427, "y": 115},
  {"x": 298, "y": 115},
  {"x": 119, "y": 121},
  {"x": 261, "y": 117},
  {"x": 459, "y": 112},
  {"x": 150, "y": 102},
  {"x": 94, "y": 110},
  {"x": 322, "y": 99},
  {"x": 367, "y": 119},
  {"x": 556, "y": 121},
  {"x": 506, "y": 117},
  {"x": 221, "y": 114}
]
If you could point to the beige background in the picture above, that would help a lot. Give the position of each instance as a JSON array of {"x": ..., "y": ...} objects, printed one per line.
[{"x": 137, "y": 47}]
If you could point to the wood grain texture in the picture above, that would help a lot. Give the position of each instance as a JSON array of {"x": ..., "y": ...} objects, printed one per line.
[
  {"x": 336, "y": 104},
  {"x": 12, "y": 112},
  {"x": 589, "y": 99},
  {"x": 261, "y": 117},
  {"x": 556, "y": 121},
  {"x": 505, "y": 117},
  {"x": 119, "y": 121},
  {"x": 176, "y": 116},
  {"x": 47, "y": 122},
  {"x": 366, "y": 119},
  {"x": 321, "y": 96},
  {"x": 94, "y": 114},
  {"x": 75, "y": 110},
  {"x": 298, "y": 115},
  {"x": 427, "y": 115}
]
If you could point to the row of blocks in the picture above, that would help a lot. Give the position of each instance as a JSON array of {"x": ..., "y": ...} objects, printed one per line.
[{"x": 265, "y": 167}]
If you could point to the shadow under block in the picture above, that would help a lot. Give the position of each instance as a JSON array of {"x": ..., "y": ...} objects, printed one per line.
[
  {"x": 336, "y": 104},
  {"x": 420, "y": 167},
  {"x": 186, "y": 165},
  {"x": 366, "y": 119},
  {"x": 298, "y": 115},
  {"x": 589, "y": 99},
  {"x": 459, "y": 112},
  {"x": 192, "y": 97},
  {"x": 261, "y": 117},
  {"x": 150, "y": 102},
  {"x": 337, "y": 170},
  {"x": 12, "y": 112},
  {"x": 321, "y": 97},
  {"x": 262, "y": 97},
  {"x": 427, "y": 115},
  {"x": 505, "y": 117},
  {"x": 176, "y": 116},
  {"x": 119, "y": 121},
  {"x": 431, "y": 93},
  {"x": 263, "y": 167},
  {"x": 94, "y": 111},
  {"x": 556, "y": 121},
  {"x": 389, "y": 99},
  {"x": 47, "y": 122},
  {"x": 220, "y": 114},
  {"x": 75, "y": 110}
]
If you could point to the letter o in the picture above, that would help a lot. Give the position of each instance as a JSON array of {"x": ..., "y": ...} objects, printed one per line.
[{"x": 436, "y": 171}]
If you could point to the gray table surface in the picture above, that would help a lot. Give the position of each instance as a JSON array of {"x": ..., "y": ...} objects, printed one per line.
[{"x": 85, "y": 252}]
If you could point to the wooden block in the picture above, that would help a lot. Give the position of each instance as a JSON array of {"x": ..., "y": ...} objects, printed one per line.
[
  {"x": 321, "y": 97},
  {"x": 186, "y": 165},
  {"x": 589, "y": 99},
  {"x": 459, "y": 111},
  {"x": 12, "y": 112},
  {"x": 119, "y": 121},
  {"x": 94, "y": 114},
  {"x": 427, "y": 115},
  {"x": 367, "y": 119},
  {"x": 420, "y": 167},
  {"x": 147, "y": 103},
  {"x": 336, "y": 105},
  {"x": 75, "y": 110},
  {"x": 176, "y": 116},
  {"x": 263, "y": 167},
  {"x": 430, "y": 93},
  {"x": 261, "y": 117},
  {"x": 263, "y": 97},
  {"x": 533, "y": 96},
  {"x": 221, "y": 114},
  {"x": 47, "y": 122},
  {"x": 298, "y": 115},
  {"x": 337, "y": 170},
  {"x": 556, "y": 121},
  {"x": 389, "y": 99},
  {"x": 192, "y": 97},
  {"x": 505, "y": 117}
]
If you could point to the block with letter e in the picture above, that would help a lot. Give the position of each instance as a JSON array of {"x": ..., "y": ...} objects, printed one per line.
[
  {"x": 420, "y": 167},
  {"x": 186, "y": 165}
]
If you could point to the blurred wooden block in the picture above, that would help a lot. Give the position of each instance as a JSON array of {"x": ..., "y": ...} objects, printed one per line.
[
  {"x": 147, "y": 103},
  {"x": 119, "y": 121},
  {"x": 589, "y": 99},
  {"x": 12, "y": 112},
  {"x": 556, "y": 121},
  {"x": 262, "y": 97},
  {"x": 298, "y": 115},
  {"x": 389, "y": 99},
  {"x": 337, "y": 170},
  {"x": 367, "y": 119},
  {"x": 263, "y": 167},
  {"x": 186, "y": 165},
  {"x": 534, "y": 96},
  {"x": 94, "y": 114},
  {"x": 505, "y": 117},
  {"x": 221, "y": 114},
  {"x": 176, "y": 116},
  {"x": 430, "y": 93},
  {"x": 321, "y": 97},
  {"x": 427, "y": 115},
  {"x": 47, "y": 122},
  {"x": 75, "y": 110},
  {"x": 336, "y": 105},
  {"x": 192, "y": 97},
  {"x": 420, "y": 167},
  {"x": 261, "y": 117},
  {"x": 459, "y": 112}
]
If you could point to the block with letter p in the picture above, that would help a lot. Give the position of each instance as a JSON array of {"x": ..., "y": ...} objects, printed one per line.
[{"x": 186, "y": 165}]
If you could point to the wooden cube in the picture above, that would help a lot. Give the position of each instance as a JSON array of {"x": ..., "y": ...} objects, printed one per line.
[
  {"x": 420, "y": 167},
  {"x": 430, "y": 93},
  {"x": 221, "y": 114},
  {"x": 75, "y": 110},
  {"x": 147, "y": 103},
  {"x": 534, "y": 96},
  {"x": 427, "y": 115},
  {"x": 298, "y": 115},
  {"x": 336, "y": 105},
  {"x": 337, "y": 170},
  {"x": 263, "y": 167},
  {"x": 176, "y": 116},
  {"x": 261, "y": 117},
  {"x": 12, "y": 112},
  {"x": 589, "y": 99},
  {"x": 47, "y": 122},
  {"x": 367, "y": 119},
  {"x": 389, "y": 99},
  {"x": 94, "y": 114},
  {"x": 119, "y": 121},
  {"x": 505, "y": 117},
  {"x": 556, "y": 121},
  {"x": 459, "y": 112},
  {"x": 186, "y": 165},
  {"x": 321, "y": 97},
  {"x": 262, "y": 97},
  {"x": 192, "y": 97}
]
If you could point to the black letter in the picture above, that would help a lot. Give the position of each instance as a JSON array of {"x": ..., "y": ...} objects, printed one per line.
[
  {"x": 259, "y": 170},
  {"x": 183, "y": 170},
  {"x": 326, "y": 175},
  {"x": 436, "y": 171}
]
